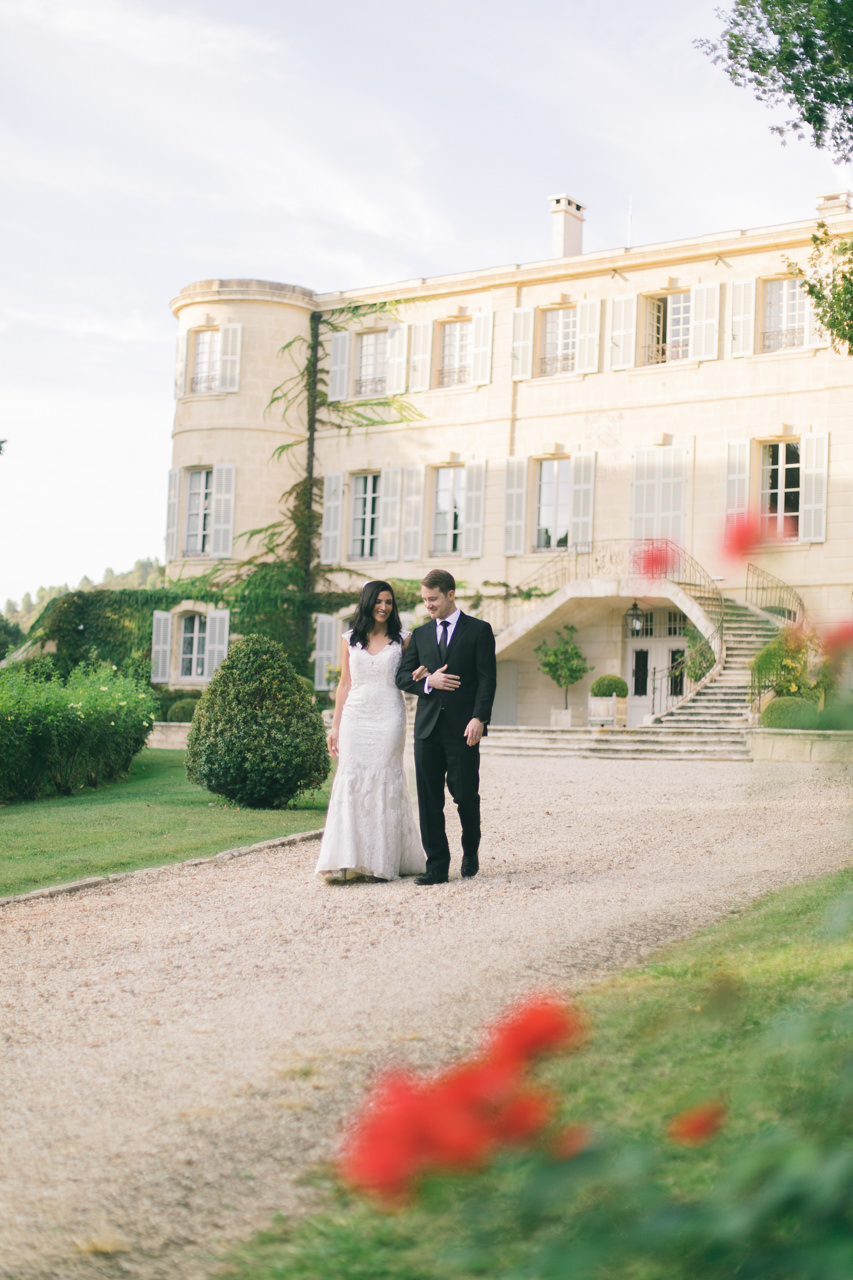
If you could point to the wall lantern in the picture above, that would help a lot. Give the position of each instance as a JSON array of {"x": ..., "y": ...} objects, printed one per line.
[{"x": 634, "y": 619}]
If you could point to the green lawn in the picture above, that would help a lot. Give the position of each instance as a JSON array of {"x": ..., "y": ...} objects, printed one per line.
[
  {"x": 748, "y": 1010},
  {"x": 152, "y": 818}
]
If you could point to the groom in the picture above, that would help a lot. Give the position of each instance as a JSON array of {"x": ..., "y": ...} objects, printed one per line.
[{"x": 454, "y": 707}]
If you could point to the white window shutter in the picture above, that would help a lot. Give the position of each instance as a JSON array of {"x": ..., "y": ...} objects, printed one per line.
[
  {"x": 589, "y": 332},
  {"x": 814, "y": 452},
  {"x": 672, "y": 494},
  {"x": 644, "y": 494},
  {"x": 475, "y": 509},
  {"x": 390, "y": 492},
  {"x": 397, "y": 351},
  {"x": 172, "y": 515},
  {"x": 231, "y": 336},
  {"x": 583, "y": 492},
  {"x": 514, "y": 506},
  {"x": 522, "y": 343},
  {"x": 817, "y": 336},
  {"x": 413, "y": 512},
  {"x": 216, "y": 643},
  {"x": 330, "y": 529},
  {"x": 421, "y": 370},
  {"x": 222, "y": 527},
  {"x": 743, "y": 317},
  {"x": 481, "y": 361},
  {"x": 339, "y": 367},
  {"x": 181, "y": 366},
  {"x": 161, "y": 647},
  {"x": 705, "y": 322},
  {"x": 623, "y": 332},
  {"x": 325, "y": 649},
  {"x": 737, "y": 481}
]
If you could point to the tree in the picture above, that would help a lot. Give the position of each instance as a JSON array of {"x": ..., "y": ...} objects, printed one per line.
[
  {"x": 562, "y": 661},
  {"x": 796, "y": 53}
]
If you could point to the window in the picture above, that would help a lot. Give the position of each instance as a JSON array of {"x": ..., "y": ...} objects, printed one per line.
[
  {"x": 783, "y": 315},
  {"x": 193, "y": 644},
  {"x": 365, "y": 516},
  {"x": 206, "y": 361},
  {"x": 449, "y": 511},
  {"x": 667, "y": 328},
  {"x": 372, "y": 364},
  {"x": 676, "y": 622},
  {"x": 199, "y": 512},
  {"x": 780, "y": 490},
  {"x": 455, "y": 366},
  {"x": 555, "y": 504},
  {"x": 559, "y": 341}
]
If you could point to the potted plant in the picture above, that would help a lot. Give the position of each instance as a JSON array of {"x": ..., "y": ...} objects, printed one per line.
[
  {"x": 608, "y": 702},
  {"x": 564, "y": 663}
]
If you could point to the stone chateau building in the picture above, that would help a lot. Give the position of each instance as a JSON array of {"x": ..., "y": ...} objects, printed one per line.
[{"x": 574, "y": 413}]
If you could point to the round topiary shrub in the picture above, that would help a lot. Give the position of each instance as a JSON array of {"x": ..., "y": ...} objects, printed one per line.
[
  {"x": 182, "y": 710},
  {"x": 789, "y": 713},
  {"x": 606, "y": 686},
  {"x": 256, "y": 736}
]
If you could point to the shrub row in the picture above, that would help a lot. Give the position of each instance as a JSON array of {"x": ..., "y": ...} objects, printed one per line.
[{"x": 57, "y": 736}]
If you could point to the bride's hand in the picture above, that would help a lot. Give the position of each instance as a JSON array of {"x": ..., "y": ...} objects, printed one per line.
[
  {"x": 332, "y": 743},
  {"x": 420, "y": 673}
]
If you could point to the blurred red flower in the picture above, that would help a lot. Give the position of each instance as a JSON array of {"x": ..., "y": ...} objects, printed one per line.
[
  {"x": 698, "y": 1124},
  {"x": 655, "y": 559},
  {"x": 838, "y": 640},
  {"x": 524, "y": 1116},
  {"x": 742, "y": 536},
  {"x": 542, "y": 1025}
]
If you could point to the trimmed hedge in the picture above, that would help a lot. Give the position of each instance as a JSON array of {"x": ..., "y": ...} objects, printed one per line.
[
  {"x": 606, "y": 686},
  {"x": 257, "y": 737},
  {"x": 60, "y": 737},
  {"x": 182, "y": 711},
  {"x": 789, "y": 713}
]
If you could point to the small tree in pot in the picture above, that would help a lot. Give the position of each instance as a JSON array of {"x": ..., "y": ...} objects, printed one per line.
[{"x": 563, "y": 661}]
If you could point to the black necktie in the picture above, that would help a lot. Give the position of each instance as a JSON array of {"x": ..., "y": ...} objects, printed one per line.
[{"x": 442, "y": 644}]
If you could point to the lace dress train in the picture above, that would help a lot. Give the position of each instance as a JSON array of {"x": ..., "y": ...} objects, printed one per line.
[{"x": 370, "y": 826}]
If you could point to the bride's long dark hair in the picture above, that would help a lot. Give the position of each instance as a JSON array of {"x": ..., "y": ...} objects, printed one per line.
[{"x": 363, "y": 620}]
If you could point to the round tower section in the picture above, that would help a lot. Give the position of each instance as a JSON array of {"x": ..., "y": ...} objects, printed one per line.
[{"x": 223, "y": 481}]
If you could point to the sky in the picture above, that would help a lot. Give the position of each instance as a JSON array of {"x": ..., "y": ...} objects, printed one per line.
[{"x": 146, "y": 145}]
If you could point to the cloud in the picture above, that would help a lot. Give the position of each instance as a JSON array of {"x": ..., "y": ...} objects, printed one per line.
[{"x": 161, "y": 39}]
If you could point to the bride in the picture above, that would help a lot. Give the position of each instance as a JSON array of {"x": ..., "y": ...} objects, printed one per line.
[{"x": 370, "y": 828}]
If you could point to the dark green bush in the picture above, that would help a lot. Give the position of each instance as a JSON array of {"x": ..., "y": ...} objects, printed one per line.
[
  {"x": 60, "y": 737},
  {"x": 256, "y": 736},
  {"x": 606, "y": 686},
  {"x": 837, "y": 715},
  {"x": 182, "y": 710},
  {"x": 789, "y": 713}
]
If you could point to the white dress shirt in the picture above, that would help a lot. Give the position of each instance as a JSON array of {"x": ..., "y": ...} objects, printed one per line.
[{"x": 452, "y": 619}]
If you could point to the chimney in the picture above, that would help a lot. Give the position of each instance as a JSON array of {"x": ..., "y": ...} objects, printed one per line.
[
  {"x": 834, "y": 202},
  {"x": 566, "y": 227}
]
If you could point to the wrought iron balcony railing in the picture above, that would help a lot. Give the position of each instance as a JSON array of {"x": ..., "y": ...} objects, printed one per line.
[
  {"x": 666, "y": 352},
  {"x": 204, "y": 382},
  {"x": 371, "y": 386},
  {"x": 780, "y": 339},
  {"x": 549, "y": 365},
  {"x": 454, "y": 377}
]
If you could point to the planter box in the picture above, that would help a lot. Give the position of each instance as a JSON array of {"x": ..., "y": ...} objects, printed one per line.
[
  {"x": 561, "y": 718},
  {"x": 611, "y": 713}
]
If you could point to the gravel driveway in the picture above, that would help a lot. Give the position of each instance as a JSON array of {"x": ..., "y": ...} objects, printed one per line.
[{"x": 180, "y": 1045}]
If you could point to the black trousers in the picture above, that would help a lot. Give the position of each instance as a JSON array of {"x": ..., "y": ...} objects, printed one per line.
[{"x": 441, "y": 756}]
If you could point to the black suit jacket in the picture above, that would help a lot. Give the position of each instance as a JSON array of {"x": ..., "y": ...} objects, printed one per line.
[{"x": 471, "y": 656}]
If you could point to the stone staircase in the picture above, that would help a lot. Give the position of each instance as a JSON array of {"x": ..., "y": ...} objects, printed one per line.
[{"x": 709, "y": 726}]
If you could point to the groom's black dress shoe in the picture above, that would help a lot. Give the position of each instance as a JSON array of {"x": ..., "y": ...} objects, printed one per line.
[
  {"x": 470, "y": 865},
  {"x": 428, "y": 879}
]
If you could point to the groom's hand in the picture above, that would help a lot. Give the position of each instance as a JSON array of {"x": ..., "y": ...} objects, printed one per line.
[
  {"x": 474, "y": 732},
  {"x": 442, "y": 679}
]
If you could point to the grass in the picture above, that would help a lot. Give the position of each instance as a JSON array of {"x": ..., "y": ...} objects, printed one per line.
[
  {"x": 694, "y": 1023},
  {"x": 152, "y": 818}
]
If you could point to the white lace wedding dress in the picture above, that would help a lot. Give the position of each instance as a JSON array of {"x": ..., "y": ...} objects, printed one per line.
[{"x": 370, "y": 826}]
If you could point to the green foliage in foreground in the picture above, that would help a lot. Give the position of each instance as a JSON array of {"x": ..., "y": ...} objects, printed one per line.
[
  {"x": 63, "y": 736},
  {"x": 789, "y": 713},
  {"x": 755, "y": 1011},
  {"x": 257, "y": 737},
  {"x": 153, "y": 818}
]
